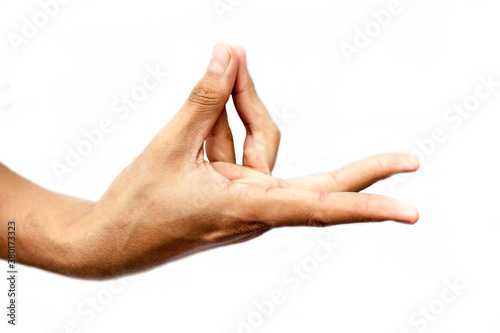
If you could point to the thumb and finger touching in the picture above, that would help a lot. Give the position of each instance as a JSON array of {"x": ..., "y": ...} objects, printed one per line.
[
  {"x": 312, "y": 201},
  {"x": 262, "y": 135}
]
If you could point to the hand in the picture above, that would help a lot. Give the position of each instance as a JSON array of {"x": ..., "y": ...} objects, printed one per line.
[{"x": 170, "y": 202}]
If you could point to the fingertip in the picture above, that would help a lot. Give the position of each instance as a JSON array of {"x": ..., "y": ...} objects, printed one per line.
[
  {"x": 410, "y": 214},
  {"x": 390, "y": 209},
  {"x": 228, "y": 47},
  {"x": 240, "y": 51},
  {"x": 221, "y": 58},
  {"x": 241, "y": 54},
  {"x": 416, "y": 217},
  {"x": 414, "y": 162}
]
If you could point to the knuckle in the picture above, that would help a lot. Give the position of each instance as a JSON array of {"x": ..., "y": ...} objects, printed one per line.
[
  {"x": 280, "y": 183},
  {"x": 204, "y": 94},
  {"x": 316, "y": 218},
  {"x": 379, "y": 162},
  {"x": 368, "y": 203},
  {"x": 231, "y": 223},
  {"x": 336, "y": 179},
  {"x": 268, "y": 134}
]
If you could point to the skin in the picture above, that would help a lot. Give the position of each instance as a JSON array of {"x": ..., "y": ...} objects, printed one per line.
[{"x": 170, "y": 202}]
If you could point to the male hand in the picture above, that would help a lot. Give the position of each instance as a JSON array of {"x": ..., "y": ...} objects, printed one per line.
[{"x": 171, "y": 202}]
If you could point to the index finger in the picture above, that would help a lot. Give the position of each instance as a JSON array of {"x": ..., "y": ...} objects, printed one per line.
[{"x": 263, "y": 136}]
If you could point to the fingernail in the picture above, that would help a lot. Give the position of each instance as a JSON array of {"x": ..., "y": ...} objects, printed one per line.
[{"x": 220, "y": 60}]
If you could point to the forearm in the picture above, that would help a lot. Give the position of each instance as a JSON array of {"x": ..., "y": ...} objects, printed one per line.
[
  {"x": 43, "y": 221},
  {"x": 83, "y": 239}
]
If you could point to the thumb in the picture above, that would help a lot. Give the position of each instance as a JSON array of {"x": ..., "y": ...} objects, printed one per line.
[{"x": 193, "y": 123}]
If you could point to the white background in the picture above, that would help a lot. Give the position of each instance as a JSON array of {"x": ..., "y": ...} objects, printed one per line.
[{"x": 393, "y": 93}]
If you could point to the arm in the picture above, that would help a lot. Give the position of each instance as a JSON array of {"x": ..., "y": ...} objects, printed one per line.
[{"x": 43, "y": 219}]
